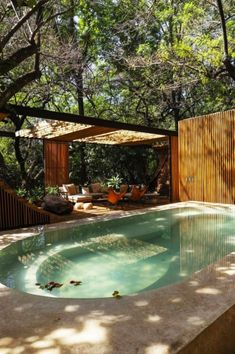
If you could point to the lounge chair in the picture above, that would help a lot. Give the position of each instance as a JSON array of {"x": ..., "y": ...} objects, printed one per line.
[{"x": 113, "y": 197}]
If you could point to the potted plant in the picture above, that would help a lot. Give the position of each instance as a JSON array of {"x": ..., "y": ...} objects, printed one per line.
[{"x": 114, "y": 182}]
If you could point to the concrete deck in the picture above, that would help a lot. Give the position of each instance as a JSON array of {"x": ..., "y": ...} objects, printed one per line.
[{"x": 157, "y": 321}]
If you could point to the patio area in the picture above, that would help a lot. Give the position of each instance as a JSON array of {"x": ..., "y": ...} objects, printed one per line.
[{"x": 105, "y": 208}]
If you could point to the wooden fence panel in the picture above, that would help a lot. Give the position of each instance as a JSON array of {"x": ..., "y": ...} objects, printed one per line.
[
  {"x": 15, "y": 212},
  {"x": 207, "y": 158}
]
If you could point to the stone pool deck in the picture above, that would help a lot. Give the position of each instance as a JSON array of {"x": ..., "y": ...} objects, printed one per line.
[{"x": 160, "y": 321}]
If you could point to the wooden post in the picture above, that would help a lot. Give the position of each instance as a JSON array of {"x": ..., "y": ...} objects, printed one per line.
[{"x": 56, "y": 163}]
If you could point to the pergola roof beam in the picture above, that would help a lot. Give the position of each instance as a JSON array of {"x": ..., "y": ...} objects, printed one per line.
[{"x": 73, "y": 118}]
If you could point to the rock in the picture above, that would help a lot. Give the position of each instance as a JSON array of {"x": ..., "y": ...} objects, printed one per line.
[
  {"x": 56, "y": 204},
  {"x": 78, "y": 206},
  {"x": 87, "y": 206}
]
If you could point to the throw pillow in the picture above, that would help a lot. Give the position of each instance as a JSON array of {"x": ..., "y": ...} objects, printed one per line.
[
  {"x": 85, "y": 190},
  {"x": 70, "y": 188}
]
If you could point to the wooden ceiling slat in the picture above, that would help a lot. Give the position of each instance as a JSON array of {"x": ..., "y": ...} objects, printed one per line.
[
  {"x": 141, "y": 142},
  {"x": 89, "y": 132},
  {"x": 122, "y": 137}
]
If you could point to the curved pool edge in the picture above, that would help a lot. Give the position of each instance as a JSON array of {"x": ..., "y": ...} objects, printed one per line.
[{"x": 156, "y": 321}]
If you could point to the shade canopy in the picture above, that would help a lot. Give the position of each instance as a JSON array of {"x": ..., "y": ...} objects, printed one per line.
[{"x": 69, "y": 127}]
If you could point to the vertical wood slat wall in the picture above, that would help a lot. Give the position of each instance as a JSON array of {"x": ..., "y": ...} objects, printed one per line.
[
  {"x": 15, "y": 212},
  {"x": 174, "y": 168},
  {"x": 56, "y": 163},
  {"x": 207, "y": 158}
]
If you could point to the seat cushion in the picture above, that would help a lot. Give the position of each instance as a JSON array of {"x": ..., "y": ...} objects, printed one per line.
[
  {"x": 80, "y": 198},
  {"x": 70, "y": 188},
  {"x": 96, "y": 187}
]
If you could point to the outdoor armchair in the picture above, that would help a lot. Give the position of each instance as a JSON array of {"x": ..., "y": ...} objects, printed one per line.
[
  {"x": 137, "y": 193},
  {"x": 113, "y": 196}
]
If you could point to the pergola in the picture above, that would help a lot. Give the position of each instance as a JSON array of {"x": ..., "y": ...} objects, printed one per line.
[{"x": 57, "y": 129}]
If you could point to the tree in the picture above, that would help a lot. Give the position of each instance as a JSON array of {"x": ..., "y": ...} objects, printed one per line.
[
  {"x": 150, "y": 62},
  {"x": 228, "y": 60},
  {"x": 22, "y": 25},
  {"x": 13, "y": 56}
]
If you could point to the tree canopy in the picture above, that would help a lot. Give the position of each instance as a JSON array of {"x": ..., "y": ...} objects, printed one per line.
[{"x": 150, "y": 62}]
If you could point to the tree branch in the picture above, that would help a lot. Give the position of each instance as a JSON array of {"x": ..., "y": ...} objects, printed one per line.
[
  {"x": 42, "y": 23},
  {"x": 16, "y": 58},
  {"x": 17, "y": 86},
  {"x": 5, "y": 134},
  {"x": 19, "y": 24},
  {"x": 226, "y": 60},
  {"x": 223, "y": 25}
]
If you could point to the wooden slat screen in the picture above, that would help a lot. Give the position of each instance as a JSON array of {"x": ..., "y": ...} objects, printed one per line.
[
  {"x": 207, "y": 158},
  {"x": 56, "y": 163},
  {"x": 15, "y": 212}
]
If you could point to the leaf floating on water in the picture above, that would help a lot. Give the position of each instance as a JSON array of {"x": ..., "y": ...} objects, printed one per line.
[
  {"x": 116, "y": 294},
  {"x": 76, "y": 282},
  {"x": 50, "y": 285},
  {"x": 53, "y": 285},
  {"x": 58, "y": 285}
]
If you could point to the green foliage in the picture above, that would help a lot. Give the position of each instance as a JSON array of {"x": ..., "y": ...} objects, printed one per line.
[
  {"x": 53, "y": 190},
  {"x": 22, "y": 192},
  {"x": 103, "y": 162},
  {"x": 36, "y": 194},
  {"x": 33, "y": 195}
]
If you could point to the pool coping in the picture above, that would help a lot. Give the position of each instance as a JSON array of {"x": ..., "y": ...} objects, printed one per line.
[{"x": 156, "y": 321}]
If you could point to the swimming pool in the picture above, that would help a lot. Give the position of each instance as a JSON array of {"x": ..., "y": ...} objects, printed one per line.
[{"x": 129, "y": 255}]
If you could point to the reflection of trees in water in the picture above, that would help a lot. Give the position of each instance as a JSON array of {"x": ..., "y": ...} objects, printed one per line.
[
  {"x": 10, "y": 280},
  {"x": 34, "y": 243},
  {"x": 55, "y": 264},
  {"x": 110, "y": 247},
  {"x": 204, "y": 239}
]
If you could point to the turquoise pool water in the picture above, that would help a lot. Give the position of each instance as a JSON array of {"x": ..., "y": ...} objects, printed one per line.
[{"x": 128, "y": 255}]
